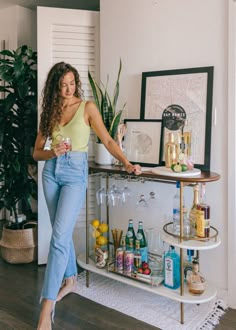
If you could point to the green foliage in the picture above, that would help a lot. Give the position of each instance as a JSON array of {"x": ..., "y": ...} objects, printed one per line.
[
  {"x": 18, "y": 128},
  {"x": 107, "y": 107}
]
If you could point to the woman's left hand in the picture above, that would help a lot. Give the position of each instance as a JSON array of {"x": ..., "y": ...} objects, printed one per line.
[{"x": 136, "y": 169}]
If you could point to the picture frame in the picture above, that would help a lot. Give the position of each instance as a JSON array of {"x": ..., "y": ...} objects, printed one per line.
[
  {"x": 143, "y": 141},
  {"x": 190, "y": 88}
]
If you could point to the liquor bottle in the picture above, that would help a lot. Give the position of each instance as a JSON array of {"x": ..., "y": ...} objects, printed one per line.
[
  {"x": 195, "y": 281},
  {"x": 188, "y": 260},
  {"x": 143, "y": 243},
  {"x": 170, "y": 151},
  {"x": 193, "y": 211},
  {"x": 172, "y": 269},
  {"x": 137, "y": 255},
  {"x": 203, "y": 215},
  {"x": 130, "y": 234},
  {"x": 176, "y": 212}
]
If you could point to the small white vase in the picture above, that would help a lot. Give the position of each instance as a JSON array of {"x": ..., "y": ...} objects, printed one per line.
[{"x": 102, "y": 155}]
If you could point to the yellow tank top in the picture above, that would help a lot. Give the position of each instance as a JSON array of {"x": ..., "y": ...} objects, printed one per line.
[{"x": 76, "y": 129}]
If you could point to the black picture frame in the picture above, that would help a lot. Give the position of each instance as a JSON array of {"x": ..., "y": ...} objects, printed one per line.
[
  {"x": 143, "y": 142},
  {"x": 190, "y": 88}
]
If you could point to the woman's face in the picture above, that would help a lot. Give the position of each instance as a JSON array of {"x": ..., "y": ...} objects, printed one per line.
[{"x": 67, "y": 86}]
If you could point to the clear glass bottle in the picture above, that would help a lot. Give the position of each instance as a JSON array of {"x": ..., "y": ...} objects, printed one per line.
[
  {"x": 172, "y": 269},
  {"x": 143, "y": 243},
  {"x": 176, "y": 213},
  {"x": 129, "y": 234},
  {"x": 193, "y": 211},
  {"x": 170, "y": 151},
  {"x": 195, "y": 281}
]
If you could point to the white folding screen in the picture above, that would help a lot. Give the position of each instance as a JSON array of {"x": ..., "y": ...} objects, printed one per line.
[{"x": 71, "y": 36}]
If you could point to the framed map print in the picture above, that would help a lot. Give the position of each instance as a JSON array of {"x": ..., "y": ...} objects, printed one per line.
[
  {"x": 191, "y": 89},
  {"x": 143, "y": 141}
]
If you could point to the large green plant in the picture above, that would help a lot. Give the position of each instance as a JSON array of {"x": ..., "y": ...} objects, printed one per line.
[
  {"x": 107, "y": 105},
  {"x": 18, "y": 129}
]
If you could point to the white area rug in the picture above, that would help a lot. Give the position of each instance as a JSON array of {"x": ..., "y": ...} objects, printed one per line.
[{"x": 158, "y": 311}]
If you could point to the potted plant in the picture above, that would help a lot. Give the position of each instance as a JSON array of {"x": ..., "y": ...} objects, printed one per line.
[
  {"x": 18, "y": 130},
  {"x": 107, "y": 107}
]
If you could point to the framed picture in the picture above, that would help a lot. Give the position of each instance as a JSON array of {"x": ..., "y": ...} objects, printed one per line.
[
  {"x": 190, "y": 89},
  {"x": 143, "y": 141}
]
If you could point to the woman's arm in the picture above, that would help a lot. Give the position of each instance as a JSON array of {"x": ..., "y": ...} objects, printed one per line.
[
  {"x": 41, "y": 154},
  {"x": 96, "y": 122}
]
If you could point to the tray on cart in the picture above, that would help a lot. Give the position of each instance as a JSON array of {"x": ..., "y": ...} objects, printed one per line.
[{"x": 152, "y": 279}]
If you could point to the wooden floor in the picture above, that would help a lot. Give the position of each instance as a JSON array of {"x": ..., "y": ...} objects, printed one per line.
[{"x": 20, "y": 287}]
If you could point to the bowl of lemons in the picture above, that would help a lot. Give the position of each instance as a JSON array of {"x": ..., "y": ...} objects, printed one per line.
[{"x": 98, "y": 231}]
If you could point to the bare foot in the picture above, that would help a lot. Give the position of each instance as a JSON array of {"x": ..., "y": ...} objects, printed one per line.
[
  {"x": 69, "y": 286},
  {"x": 45, "y": 318}
]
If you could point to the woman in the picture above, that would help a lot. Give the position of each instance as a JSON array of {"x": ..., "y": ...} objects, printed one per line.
[{"x": 65, "y": 114}]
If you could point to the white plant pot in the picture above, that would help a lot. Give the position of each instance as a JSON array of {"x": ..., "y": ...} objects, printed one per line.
[{"x": 102, "y": 155}]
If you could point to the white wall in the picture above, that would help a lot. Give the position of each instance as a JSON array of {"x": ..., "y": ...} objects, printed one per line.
[
  {"x": 152, "y": 35},
  {"x": 18, "y": 27}
]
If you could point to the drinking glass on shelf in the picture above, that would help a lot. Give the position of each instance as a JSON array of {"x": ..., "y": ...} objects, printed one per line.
[
  {"x": 152, "y": 200},
  {"x": 114, "y": 195},
  {"x": 142, "y": 203},
  {"x": 126, "y": 194},
  {"x": 101, "y": 196}
]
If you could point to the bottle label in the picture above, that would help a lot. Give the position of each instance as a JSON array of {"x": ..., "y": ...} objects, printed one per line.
[
  {"x": 129, "y": 234},
  {"x": 202, "y": 224},
  {"x": 169, "y": 272},
  {"x": 139, "y": 236}
]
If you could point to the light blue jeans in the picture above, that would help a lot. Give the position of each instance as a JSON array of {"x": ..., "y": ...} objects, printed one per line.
[{"x": 64, "y": 184}]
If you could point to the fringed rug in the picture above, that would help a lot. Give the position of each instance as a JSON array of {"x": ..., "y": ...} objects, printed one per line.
[{"x": 158, "y": 311}]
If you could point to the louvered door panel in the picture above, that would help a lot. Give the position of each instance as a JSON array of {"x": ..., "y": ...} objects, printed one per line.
[{"x": 70, "y": 36}]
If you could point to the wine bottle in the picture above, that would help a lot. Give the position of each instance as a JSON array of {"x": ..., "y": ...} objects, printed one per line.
[{"x": 143, "y": 243}]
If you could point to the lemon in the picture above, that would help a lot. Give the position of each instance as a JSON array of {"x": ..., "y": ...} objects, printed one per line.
[
  {"x": 96, "y": 233},
  {"x": 103, "y": 227},
  {"x": 95, "y": 223},
  {"x": 101, "y": 240}
]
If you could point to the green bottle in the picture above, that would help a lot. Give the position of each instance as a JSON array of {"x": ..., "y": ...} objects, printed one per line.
[
  {"x": 143, "y": 242},
  {"x": 130, "y": 234}
]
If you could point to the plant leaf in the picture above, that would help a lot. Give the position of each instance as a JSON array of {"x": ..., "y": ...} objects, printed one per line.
[
  {"x": 114, "y": 124},
  {"x": 93, "y": 85},
  {"x": 117, "y": 87}
]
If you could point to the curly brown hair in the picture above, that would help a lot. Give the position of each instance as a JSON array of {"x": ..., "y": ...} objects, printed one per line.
[{"x": 51, "y": 99}]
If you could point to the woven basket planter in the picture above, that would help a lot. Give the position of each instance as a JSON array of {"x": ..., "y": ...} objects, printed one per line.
[{"x": 19, "y": 246}]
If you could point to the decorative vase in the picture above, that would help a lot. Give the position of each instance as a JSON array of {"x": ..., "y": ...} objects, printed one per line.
[{"x": 102, "y": 155}]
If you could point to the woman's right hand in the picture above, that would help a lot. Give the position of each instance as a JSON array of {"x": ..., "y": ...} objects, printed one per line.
[{"x": 59, "y": 149}]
